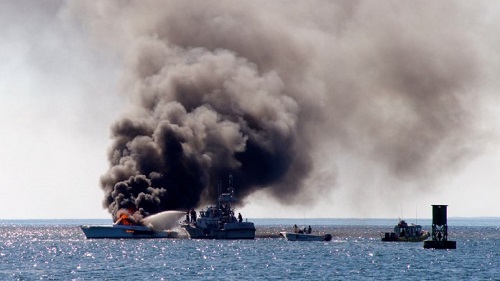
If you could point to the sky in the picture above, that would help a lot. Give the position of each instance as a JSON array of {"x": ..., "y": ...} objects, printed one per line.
[{"x": 70, "y": 71}]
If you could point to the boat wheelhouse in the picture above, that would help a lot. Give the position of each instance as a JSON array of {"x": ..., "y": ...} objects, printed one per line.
[
  {"x": 220, "y": 222},
  {"x": 404, "y": 232}
]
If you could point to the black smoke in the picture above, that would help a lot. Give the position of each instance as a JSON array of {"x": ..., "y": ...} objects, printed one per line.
[
  {"x": 199, "y": 118},
  {"x": 259, "y": 89}
]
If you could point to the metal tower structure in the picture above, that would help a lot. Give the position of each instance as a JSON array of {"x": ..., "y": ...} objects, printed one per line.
[{"x": 439, "y": 230}]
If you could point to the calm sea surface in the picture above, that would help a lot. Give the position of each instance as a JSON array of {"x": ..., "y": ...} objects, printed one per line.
[{"x": 58, "y": 250}]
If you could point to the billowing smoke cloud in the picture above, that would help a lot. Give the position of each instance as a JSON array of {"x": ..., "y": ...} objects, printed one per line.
[
  {"x": 202, "y": 115},
  {"x": 257, "y": 88}
]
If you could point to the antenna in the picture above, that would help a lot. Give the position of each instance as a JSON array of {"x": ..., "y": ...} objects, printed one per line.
[
  {"x": 401, "y": 211},
  {"x": 230, "y": 188},
  {"x": 416, "y": 214},
  {"x": 218, "y": 194}
]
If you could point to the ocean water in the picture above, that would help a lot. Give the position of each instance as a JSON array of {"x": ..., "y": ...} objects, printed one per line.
[{"x": 58, "y": 250}]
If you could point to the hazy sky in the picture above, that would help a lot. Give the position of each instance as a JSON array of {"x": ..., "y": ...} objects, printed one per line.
[{"x": 62, "y": 88}]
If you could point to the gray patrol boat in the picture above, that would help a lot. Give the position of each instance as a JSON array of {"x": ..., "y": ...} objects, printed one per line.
[{"x": 219, "y": 222}]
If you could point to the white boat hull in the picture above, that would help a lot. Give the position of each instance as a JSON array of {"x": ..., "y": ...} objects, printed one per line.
[
  {"x": 290, "y": 236},
  {"x": 124, "y": 232},
  {"x": 239, "y": 230}
]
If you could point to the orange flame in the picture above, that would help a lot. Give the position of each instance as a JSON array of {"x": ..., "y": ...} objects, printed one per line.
[{"x": 125, "y": 217}]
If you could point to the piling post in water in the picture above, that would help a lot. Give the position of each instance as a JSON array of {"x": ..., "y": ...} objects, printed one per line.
[{"x": 439, "y": 230}]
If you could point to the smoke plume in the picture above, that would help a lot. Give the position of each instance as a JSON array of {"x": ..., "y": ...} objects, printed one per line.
[{"x": 260, "y": 88}]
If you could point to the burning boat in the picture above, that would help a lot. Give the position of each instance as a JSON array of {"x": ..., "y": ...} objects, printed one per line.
[
  {"x": 125, "y": 228},
  {"x": 219, "y": 222},
  {"x": 117, "y": 231}
]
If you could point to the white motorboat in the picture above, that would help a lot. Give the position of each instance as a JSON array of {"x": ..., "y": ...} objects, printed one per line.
[
  {"x": 292, "y": 236},
  {"x": 117, "y": 231},
  {"x": 219, "y": 222},
  {"x": 128, "y": 227}
]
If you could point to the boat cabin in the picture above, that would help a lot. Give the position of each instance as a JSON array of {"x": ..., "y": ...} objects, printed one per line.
[{"x": 405, "y": 230}]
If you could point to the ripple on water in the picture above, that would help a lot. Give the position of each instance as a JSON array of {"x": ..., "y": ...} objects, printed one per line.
[{"x": 62, "y": 252}]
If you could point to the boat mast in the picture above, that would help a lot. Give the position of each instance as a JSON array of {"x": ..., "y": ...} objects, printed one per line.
[
  {"x": 230, "y": 188},
  {"x": 416, "y": 214},
  {"x": 227, "y": 198},
  {"x": 218, "y": 195}
]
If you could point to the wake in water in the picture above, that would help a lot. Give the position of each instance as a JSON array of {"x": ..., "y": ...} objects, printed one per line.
[{"x": 164, "y": 220}]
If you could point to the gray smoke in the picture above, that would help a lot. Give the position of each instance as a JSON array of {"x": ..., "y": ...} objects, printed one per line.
[{"x": 257, "y": 88}]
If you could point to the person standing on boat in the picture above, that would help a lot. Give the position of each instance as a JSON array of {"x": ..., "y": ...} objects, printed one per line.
[
  {"x": 193, "y": 215},
  {"x": 295, "y": 229},
  {"x": 309, "y": 230},
  {"x": 240, "y": 218}
]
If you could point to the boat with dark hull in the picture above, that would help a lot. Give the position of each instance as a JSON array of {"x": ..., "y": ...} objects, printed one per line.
[
  {"x": 219, "y": 222},
  {"x": 404, "y": 232}
]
